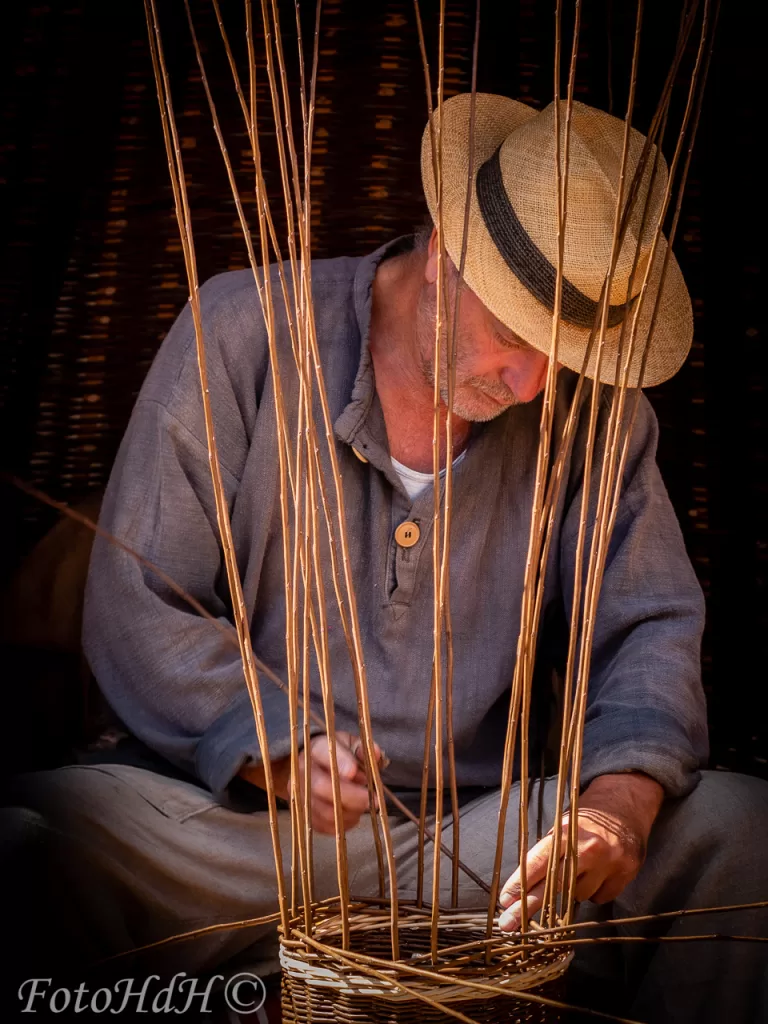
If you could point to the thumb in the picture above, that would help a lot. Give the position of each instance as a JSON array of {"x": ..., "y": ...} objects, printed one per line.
[
  {"x": 354, "y": 745},
  {"x": 345, "y": 760},
  {"x": 378, "y": 754}
]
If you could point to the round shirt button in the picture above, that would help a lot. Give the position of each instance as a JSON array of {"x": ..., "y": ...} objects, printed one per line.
[{"x": 407, "y": 534}]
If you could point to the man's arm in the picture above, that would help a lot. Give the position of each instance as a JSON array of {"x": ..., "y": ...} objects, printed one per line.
[
  {"x": 167, "y": 672},
  {"x": 645, "y": 733},
  {"x": 645, "y": 706}
]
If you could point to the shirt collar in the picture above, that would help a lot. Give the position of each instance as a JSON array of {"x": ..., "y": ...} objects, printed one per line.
[{"x": 361, "y": 422}]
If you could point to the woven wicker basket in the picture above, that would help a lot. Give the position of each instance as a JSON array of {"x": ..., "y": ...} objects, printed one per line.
[{"x": 320, "y": 987}]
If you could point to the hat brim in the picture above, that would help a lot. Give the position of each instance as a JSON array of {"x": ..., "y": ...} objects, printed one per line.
[{"x": 489, "y": 277}]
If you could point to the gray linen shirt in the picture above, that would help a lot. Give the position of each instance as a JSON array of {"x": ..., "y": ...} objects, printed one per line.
[{"x": 178, "y": 685}]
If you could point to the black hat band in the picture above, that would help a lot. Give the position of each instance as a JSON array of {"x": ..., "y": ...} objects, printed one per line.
[{"x": 524, "y": 258}]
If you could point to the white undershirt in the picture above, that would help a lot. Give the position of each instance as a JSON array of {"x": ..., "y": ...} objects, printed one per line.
[{"x": 415, "y": 482}]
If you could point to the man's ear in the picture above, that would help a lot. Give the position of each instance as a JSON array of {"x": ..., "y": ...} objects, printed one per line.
[{"x": 430, "y": 268}]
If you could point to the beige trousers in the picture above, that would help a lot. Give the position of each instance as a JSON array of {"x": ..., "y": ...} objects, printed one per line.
[{"x": 141, "y": 857}]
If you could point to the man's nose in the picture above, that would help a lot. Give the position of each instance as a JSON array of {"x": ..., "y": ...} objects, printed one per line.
[{"x": 526, "y": 376}]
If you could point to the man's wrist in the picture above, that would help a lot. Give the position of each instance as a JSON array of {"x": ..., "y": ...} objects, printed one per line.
[
  {"x": 256, "y": 775},
  {"x": 253, "y": 773},
  {"x": 633, "y": 796}
]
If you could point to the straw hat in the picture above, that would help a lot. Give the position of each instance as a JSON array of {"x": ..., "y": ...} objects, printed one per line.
[{"x": 512, "y": 245}]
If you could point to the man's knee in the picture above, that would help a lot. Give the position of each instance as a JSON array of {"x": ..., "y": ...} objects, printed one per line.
[
  {"x": 55, "y": 795},
  {"x": 718, "y": 832},
  {"x": 725, "y": 806}
]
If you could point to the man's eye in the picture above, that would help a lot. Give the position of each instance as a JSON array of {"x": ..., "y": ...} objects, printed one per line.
[{"x": 506, "y": 342}]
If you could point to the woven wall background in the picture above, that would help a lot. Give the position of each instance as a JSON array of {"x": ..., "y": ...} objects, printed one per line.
[{"x": 91, "y": 274}]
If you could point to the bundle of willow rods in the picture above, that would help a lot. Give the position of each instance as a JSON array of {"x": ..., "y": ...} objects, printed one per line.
[{"x": 348, "y": 959}]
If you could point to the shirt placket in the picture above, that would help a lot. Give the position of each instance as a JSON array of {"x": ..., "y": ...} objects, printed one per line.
[{"x": 411, "y": 539}]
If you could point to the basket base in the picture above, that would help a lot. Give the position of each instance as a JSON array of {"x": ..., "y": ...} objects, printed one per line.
[{"x": 302, "y": 1004}]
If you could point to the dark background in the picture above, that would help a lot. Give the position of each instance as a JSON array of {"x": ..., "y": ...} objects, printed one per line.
[{"x": 91, "y": 274}]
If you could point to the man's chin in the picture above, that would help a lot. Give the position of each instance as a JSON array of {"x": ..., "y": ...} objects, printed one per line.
[{"x": 478, "y": 407}]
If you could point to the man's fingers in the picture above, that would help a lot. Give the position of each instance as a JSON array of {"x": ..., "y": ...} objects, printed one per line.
[
  {"x": 353, "y": 792},
  {"x": 348, "y": 756},
  {"x": 509, "y": 921},
  {"x": 355, "y": 745},
  {"x": 323, "y": 818},
  {"x": 325, "y": 824},
  {"x": 536, "y": 868},
  {"x": 346, "y": 761},
  {"x": 588, "y": 883},
  {"x": 606, "y": 863},
  {"x": 589, "y": 854},
  {"x": 354, "y": 797},
  {"x": 611, "y": 887}
]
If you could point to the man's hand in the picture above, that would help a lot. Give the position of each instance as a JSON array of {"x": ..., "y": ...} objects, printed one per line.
[
  {"x": 616, "y": 813},
  {"x": 354, "y": 792}
]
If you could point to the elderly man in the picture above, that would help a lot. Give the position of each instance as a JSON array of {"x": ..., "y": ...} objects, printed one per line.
[{"x": 170, "y": 840}]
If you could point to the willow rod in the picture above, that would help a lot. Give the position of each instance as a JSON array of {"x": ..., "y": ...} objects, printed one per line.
[
  {"x": 359, "y": 662},
  {"x": 304, "y": 311},
  {"x": 534, "y": 583},
  {"x": 299, "y": 854},
  {"x": 437, "y": 618},
  {"x": 301, "y": 363},
  {"x": 175, "y": 163},
  {"x": 249, "y": 115},
  {"x": 298, "y": 850},
  {"x": 609, "y": 509},
  {"x": 324, "y": 666},
  {"x": 445, "y": 577},
  {"x": 429, "y": 720},
  {"x": 604, "y": 517},
  {"x": 568, "y": 434},
  {"x": 306, "y": 637},
  {"x": 569, "y": 430},
  {"x": 195, "y": 933},
  {"x": 265, "y": 211},
  {"x": 551, "y": 888},
  {"x": 423, "y": 795},
  {"x": 559, "y": 934},
  {"x": 620, "y": 393},
  {"x": 539, "y": 933},
  {"x": 562, "y": 191},
  {"x": 519, "y": 706},
  {"x": 303, "y": 302},
  {"x": 570, "y": 858},
  {"x": 308, "y": 114},
  {"x": 672, "y": 234}
]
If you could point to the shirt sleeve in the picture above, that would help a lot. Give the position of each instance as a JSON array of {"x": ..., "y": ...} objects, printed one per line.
[
  {"x": 646, "y": 710},
  {"x": 169, "y": 674}
]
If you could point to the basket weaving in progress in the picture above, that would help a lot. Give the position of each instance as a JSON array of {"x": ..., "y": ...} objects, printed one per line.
[
  {"x": 559, "y": 225},
  {"x": 344, "y": 960}
]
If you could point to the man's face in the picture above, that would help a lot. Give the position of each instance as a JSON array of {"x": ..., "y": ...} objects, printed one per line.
[{"x": 494, "y": 368}]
